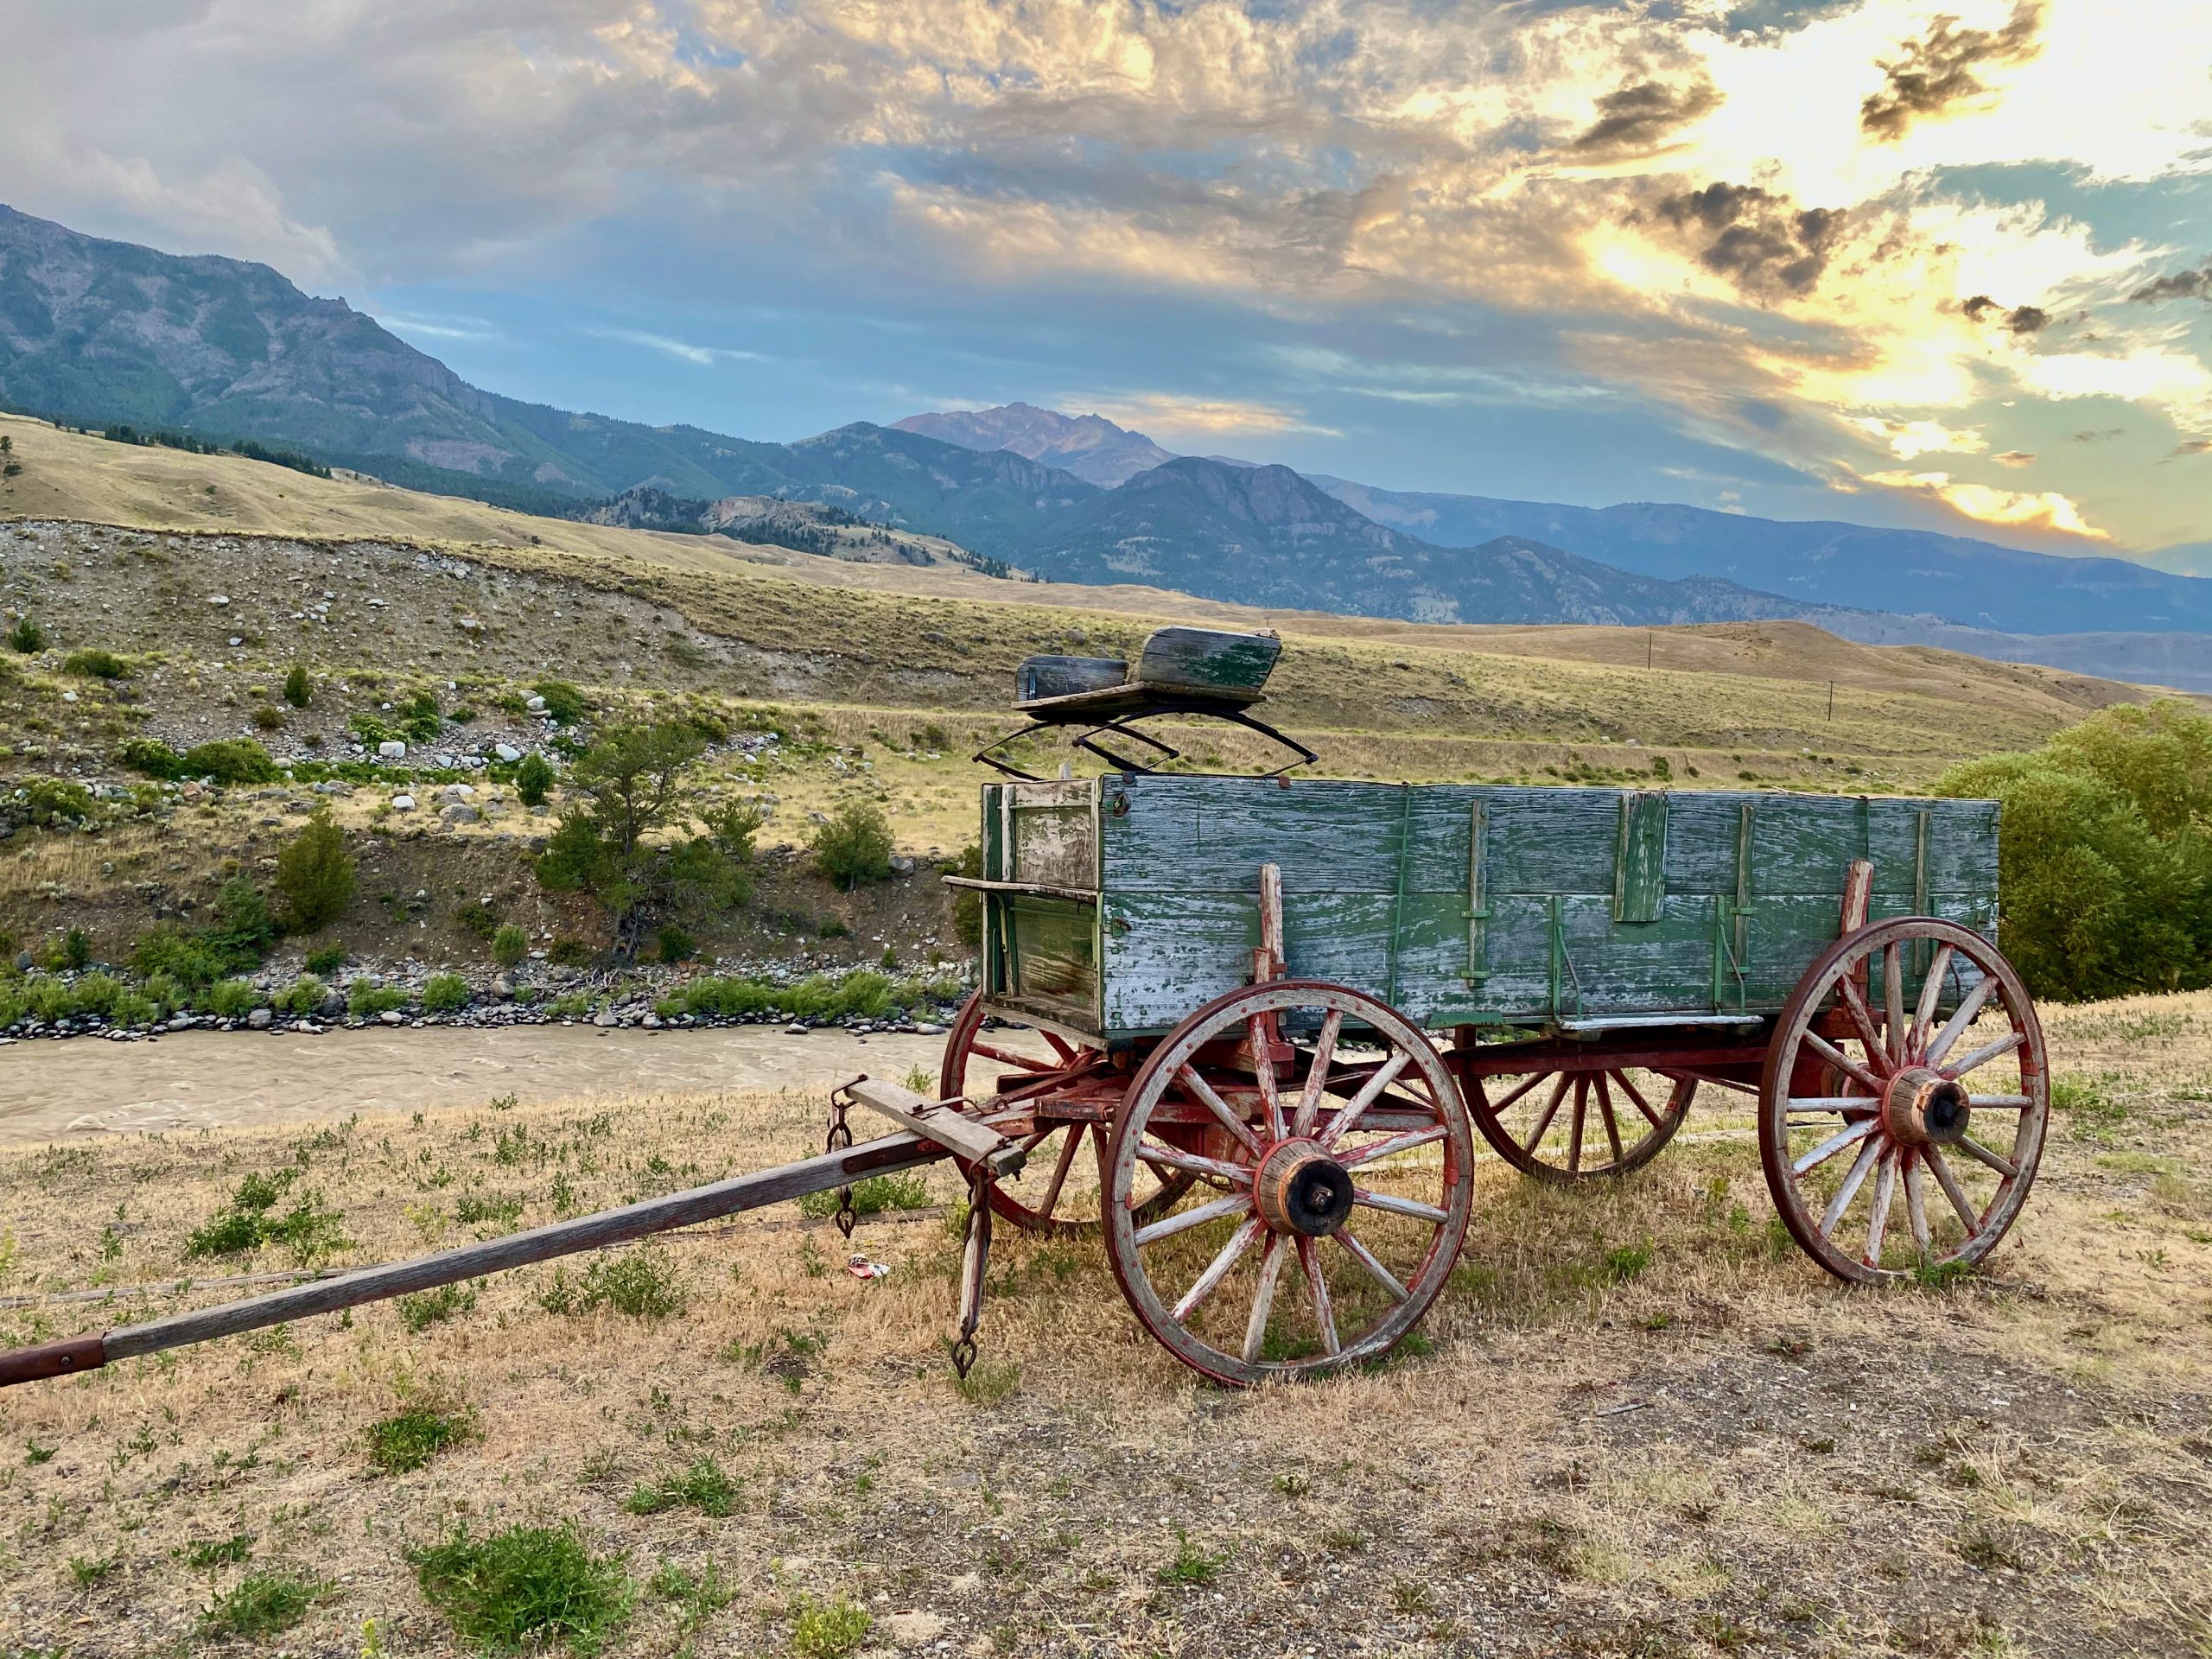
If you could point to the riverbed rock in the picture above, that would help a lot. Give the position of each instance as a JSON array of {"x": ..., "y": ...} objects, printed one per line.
[
  {"x": 392, "y": 749},
  {"x": 258, "y": 1020}
]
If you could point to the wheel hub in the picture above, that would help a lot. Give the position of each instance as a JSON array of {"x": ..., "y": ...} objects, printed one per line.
[
  {"x": 1300, "y": 1189},
  {"x": 1922, "y": 1107}
]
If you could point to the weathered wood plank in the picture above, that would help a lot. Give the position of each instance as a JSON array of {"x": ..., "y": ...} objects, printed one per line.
[{"x": 959, "y": 1134}]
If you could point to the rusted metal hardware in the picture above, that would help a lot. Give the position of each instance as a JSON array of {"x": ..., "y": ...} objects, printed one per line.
[
  {"x": 975, "y": 1265},
  {"x": 841, "y": 1136}
]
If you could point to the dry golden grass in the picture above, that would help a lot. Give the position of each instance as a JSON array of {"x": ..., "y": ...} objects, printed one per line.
[{"x": 1639, "y": 1423}]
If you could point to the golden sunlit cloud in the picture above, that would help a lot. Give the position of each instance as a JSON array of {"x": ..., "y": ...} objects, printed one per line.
[
  {"x": 1908, "y": 440},
  {"x": 2037, "y": 509},
  {"x": 1160, "y": 412}
]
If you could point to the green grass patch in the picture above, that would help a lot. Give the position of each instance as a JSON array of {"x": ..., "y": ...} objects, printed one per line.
[
  {"x": 408, "y": 1439},
  {"x": 873, "y": 1195},
  {"x": 1193, "y": 1567},
  {"x": 640, "y": 1283},
  {"x": 704, "y": 1486},
  {"x": 828, "y": 1630},
  {"x": 425, "y": 1308},
  {"x": 310, "y": 1227},
  {"x": 525, "y": 1585},
  {"x": 262, "y": 1604}
]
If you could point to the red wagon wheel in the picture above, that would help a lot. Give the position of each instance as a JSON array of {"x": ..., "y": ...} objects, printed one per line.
[
  {"x": 1572, "y": 1126},
  {"x": 1879, "y": 1101},
  {"x": 994, "y": 1064},
  {"x": 1347, "y": 1152}
]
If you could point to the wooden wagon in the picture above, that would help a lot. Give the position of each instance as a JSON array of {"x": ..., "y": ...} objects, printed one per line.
[
  {"x": 1279, "y": 1011},
  {"x": 1249, "y": 1029}
]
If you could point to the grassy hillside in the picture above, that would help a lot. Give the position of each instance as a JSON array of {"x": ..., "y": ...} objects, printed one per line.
[{"x": 830, "y": 678}]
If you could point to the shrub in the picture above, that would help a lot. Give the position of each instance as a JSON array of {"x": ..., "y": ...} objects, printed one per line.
[
  {"x": 967, "y": 902},
  {"x": 570, "y": 953},
  {"x": 299, "y": 690},
  {"x": 444, "y": 994},
  {"x": 676, "y": 944},
  {"x": 2103, "y": 861},
  {"x": 524, "y": 1586},
  {"x": 365, "y": 1001},
  {"x": 304, "y": 997},
  {"x": 93, "y": 663},
  {"x": 314, "y": 873},
  {"x": 242, "y": 930},
  {"x": 534, "y": 778},
  {"x": 419, "y": 718},
  {"x": 26, "y": 636},
  {"x": 409, "y": 1438},
  {"x": 261, "y": 1605},
  {"x": 49, "y": 801},
  {"x": 564, "y": 702},
  {"x": 326, "y": 960},
  {"x": 639, "y": 1283},
  {"x": 509, "y": 945},
  {"x": 828, "y": 1630},
  {"x": 233, "y": 999},
  {"x": 153, "y": 757},
  {"x": 855, "y": 845},
  {"x": 77, "y": 948},
  {"x": 229, "y": 761},
  {"x": 268, "y": 718}
]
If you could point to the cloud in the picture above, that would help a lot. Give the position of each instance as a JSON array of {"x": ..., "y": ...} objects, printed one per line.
[
  {"x": 1756, "y": 240},
  {"x": 2014, "y": 457},
  {"x": 2017, "y": 509},
  {"x": 2095, "y": 435},
  {"x": 1942, "y": 69},
  {"x": 2020, "y": 319},
  {"x": 1908, "y": 440},
  {"x": 705, "y": 356},
  {"x": 1155, "y": 412},
  {"x": 2180, "y": 285},
  {"x": 438, "y": 328},
  {"x": 2192, "y": 447},
  {"x": 1640, "y": 116}
]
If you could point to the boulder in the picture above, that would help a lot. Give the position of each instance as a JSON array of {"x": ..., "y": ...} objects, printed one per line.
[
  {"x": 536, "y": 705},
  {"x": 392, "y": 749},
  {"x": 258, "y": 1020},
  {"x": 459, "y": 792},
  {"x": 403, "y": 803},
  {"x": 459, "y": 812},
  {"x": 507, "y": 753},
  {"x": 392, "y": 1017}
]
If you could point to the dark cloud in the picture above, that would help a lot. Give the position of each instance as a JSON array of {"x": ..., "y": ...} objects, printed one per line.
[
  {"x": 2014, "y": 457},
  {"x": 2095, "y": 435},
  {"x": 1760, "y": 240},
  {"x": 2192, "y": 447},
  {"x": 2181, "y": 285},
  {"x": 1640, "y": 116},
  {"x": 2021, "y": 318},
  {"x": 1943, "y": 68}
]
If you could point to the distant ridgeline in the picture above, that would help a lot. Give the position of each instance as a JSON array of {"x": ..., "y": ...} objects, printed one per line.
[{"x": 190, "y": 444}]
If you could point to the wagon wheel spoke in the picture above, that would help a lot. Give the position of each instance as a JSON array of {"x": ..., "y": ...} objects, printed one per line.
[
  {"x": 1021, "y": 1062},
  {"x": 1551, "y": 1110},
  {"x": 1237, "y": 1204},
  {"x": 1637, "y": 1098},
  {"x": 1064, "y": 1049},
  {"x": 1931, "y": 994},
  {"x": 1982, "y": 1154},
  {"x": 1969, "y": 1217},
  {"x": 1855, "y": 1005},
  {"x": 1264, "y": 1298},
  {"x": 1202, "y": 1092},
  {"x": 1885, "y": 1188},
  {"x": 1514, "y": 1095},
  {"x": 1605, "y": 1111},
  {"x": 1316, "y": 1287},
  {"x": 1843, "y": 1062},
  {"x": 1833, "y": 1144},
  {"x": 1966, "y": 1014},
  {"x": 1218, "y": 1270},
  {"x": 1260, "y": 1027},
  {"x": 1861, "y": 1167},
  {"x": 1574, "y": 1130},
  {"x": 1324, "y": 1056},
  {"x": 1916, "y": 1203},
  {"x": 1982, "y": 1055},
  {"x": 1166, "y": 1157},
  {"x": 1369, "y": 1092},
  {"x": 1375, "y": 1270},
  {"x": 1375, "y": 1151},
  {"x": 1390, "y": 1204},
  {"x": 1068, "y": 1145},
  {"x": 1893, "y": 1003}
]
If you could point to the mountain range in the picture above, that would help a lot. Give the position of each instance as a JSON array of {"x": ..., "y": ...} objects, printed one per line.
[{"x": 94, "y": 332}]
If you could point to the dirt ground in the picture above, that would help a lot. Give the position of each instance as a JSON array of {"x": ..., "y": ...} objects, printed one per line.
[
  {"x": 205, "y": 1080},
  {"x": 1636, "y": 1423}
]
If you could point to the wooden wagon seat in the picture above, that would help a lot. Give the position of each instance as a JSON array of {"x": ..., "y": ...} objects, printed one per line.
[{"x": 1195, "y": 670}]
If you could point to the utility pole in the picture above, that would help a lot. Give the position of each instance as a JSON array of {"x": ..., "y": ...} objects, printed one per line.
[{"x": 1831, "y": 700}]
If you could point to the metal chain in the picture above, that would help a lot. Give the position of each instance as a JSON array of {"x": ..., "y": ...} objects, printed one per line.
[
  {"x": 976, "y": 1263},
  {"x": 839, "y": 1138}
]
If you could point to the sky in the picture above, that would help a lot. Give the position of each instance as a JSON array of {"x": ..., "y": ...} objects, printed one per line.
[{"x": 1946, "y": 265}]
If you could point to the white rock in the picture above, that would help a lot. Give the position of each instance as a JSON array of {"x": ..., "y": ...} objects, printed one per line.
[
  {"x": 536, "y": 705},
  {"x": 459, "y": 792},
  {"x": 219, "y": 599},
  {"x": 258, "y": 1020},
  {"x": 68, "y": 697},
  {"x": 605, "y": 1019},
  {"x": 392, "y": 1017},
  {"x": 403, "y": 803},
  {"x": 392, "y": 749},
  {"x": 507, "y": 753}
]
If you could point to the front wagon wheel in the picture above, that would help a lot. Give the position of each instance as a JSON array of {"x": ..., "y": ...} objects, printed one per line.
[
  {"x": 1057, "y": 1194},
  {"x": 1334, "y": 1157},
  {"x": 1906, "y": 1094}
]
